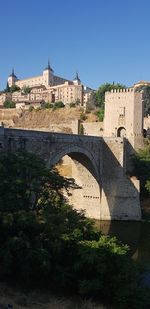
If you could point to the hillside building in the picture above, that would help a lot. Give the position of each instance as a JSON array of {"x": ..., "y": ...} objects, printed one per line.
[
  {"x": 141, "y": 83},
  {"x": 50, "y": 88},
  {"x": 47, "y": 79}
]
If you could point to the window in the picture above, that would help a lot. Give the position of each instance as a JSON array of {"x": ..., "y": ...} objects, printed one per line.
[{"x": 122, "y": 111}]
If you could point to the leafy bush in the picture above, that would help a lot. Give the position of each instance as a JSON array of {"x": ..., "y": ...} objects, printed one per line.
[
  {"x": 14, "y": 88},
  {"x": 83, "y": 117},
  {"x": 38, "y": 108},
  {"x": 142, "y": 169},
  {"x": 26, "y": 90},
  {"x": 31, "y": 108},
  {"x": 99, "y": 96},
  {"x": 59, "y": 105},
  {"x": 77, "y": 102},
  {"x": 100, "y": 114},
  {"x": 47, "y": 105},
  {"x": 72, "y": 104},
  {"x": 146, "y": 97},
  {"x": 103, "y": 269},
  {"x": 9, "y": 104},
  {"x": 27, "y": 182},
  {"x": 81, "y": 129}
]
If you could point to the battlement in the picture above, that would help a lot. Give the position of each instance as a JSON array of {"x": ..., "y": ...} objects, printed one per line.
[{"x": 126, "y": 90}]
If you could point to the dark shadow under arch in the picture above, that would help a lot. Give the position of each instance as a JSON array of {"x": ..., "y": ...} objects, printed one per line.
[
  {"x": 87, "y": 194},
  {"x": 82, "y": 156},
  {"x": 144, "y": 133},
  {"x": 121, "y": 132}
]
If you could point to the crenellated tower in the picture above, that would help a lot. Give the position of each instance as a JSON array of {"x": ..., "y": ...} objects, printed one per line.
[{"x": 124, "y": 114}]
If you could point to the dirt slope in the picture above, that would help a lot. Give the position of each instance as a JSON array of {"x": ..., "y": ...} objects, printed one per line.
[{"x": 42, "y": 118}]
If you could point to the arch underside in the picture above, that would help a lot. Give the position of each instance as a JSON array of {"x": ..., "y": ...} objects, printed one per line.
[
  {"x": 104, "y": 200},
  {"x": 85, "y": 172},
  {"x": 79, "y": 154}
]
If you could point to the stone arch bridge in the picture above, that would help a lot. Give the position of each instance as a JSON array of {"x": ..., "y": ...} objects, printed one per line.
[{"x": 99, "y": 167}]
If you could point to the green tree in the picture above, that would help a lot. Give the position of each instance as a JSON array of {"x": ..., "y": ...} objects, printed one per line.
[
  {"x": 77, "y": 102},
  {"x": 37, "y": 227},
  {"x": 31, "y": 108},
  {"x": 47, "y": 105},
  {"x": 45, "y": 242},
  {"x": 81, "y": 129},
  {"x": 26, "y": 89},
  {"x": 7, "y": 89},
  {"x": 92, "y": 101},
  {"x": 27, "y": 181},
  {"x": 14, "y": 88},
  {"x": 100, "y": 93},
  {"x": 83, "y": 116},
  {"x": 9, "y": 104},
  {"x": 72, "y": 104},
  {"x": 59, "y": 104},
  {"x": 142, "y": 169},
  {"x": 146, "y": 98},
  {"x": 100, "y": 114}
]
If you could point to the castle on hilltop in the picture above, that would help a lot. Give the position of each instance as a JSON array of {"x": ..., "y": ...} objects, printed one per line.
[
  {"x": 48, "y": 88},
  {"x": 46, "y": 79}
]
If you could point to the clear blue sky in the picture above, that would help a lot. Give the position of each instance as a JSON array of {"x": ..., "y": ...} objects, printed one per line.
[{"x": 104, "y": 41}]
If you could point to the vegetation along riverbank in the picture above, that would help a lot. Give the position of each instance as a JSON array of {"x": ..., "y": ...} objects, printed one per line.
[{"x": 47, "y": 244}]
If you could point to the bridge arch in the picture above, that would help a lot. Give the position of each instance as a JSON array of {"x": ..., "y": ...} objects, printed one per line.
[
  {"x": 107, "y": 192},
  {"x": 80, "y": 154},
  {"x": 86, "y": 174}
]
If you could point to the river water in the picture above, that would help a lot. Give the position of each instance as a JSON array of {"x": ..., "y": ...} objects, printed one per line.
[{"x": 135, "y": 234}]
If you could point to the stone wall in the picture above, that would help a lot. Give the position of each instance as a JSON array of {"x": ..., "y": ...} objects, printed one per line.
[{"x": 93, "y": 128}]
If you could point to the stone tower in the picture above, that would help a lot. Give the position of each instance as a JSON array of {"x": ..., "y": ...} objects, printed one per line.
[
  {"x": 124, "y": 115},
  {"x": 48, "y": 78},
  {"x": 12, "y": 78},
  {"x": 77, "y": 80}
]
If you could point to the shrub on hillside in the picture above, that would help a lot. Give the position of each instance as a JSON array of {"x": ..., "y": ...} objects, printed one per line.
[
  {"x": 83, "y": 116},
  {"x": 14, "y": 88},
  {"x": 58, "y": 105},
  {"x": 72, "y": 104},
  {"x": 142, "y": 168},
  {"x": 31, "y": 108},
  {"x": 81, "y": 129},
  {"x": 47, "y": 105},
  {"x": 9, "y": 104},
  {"x": 100, "y": 114}
]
